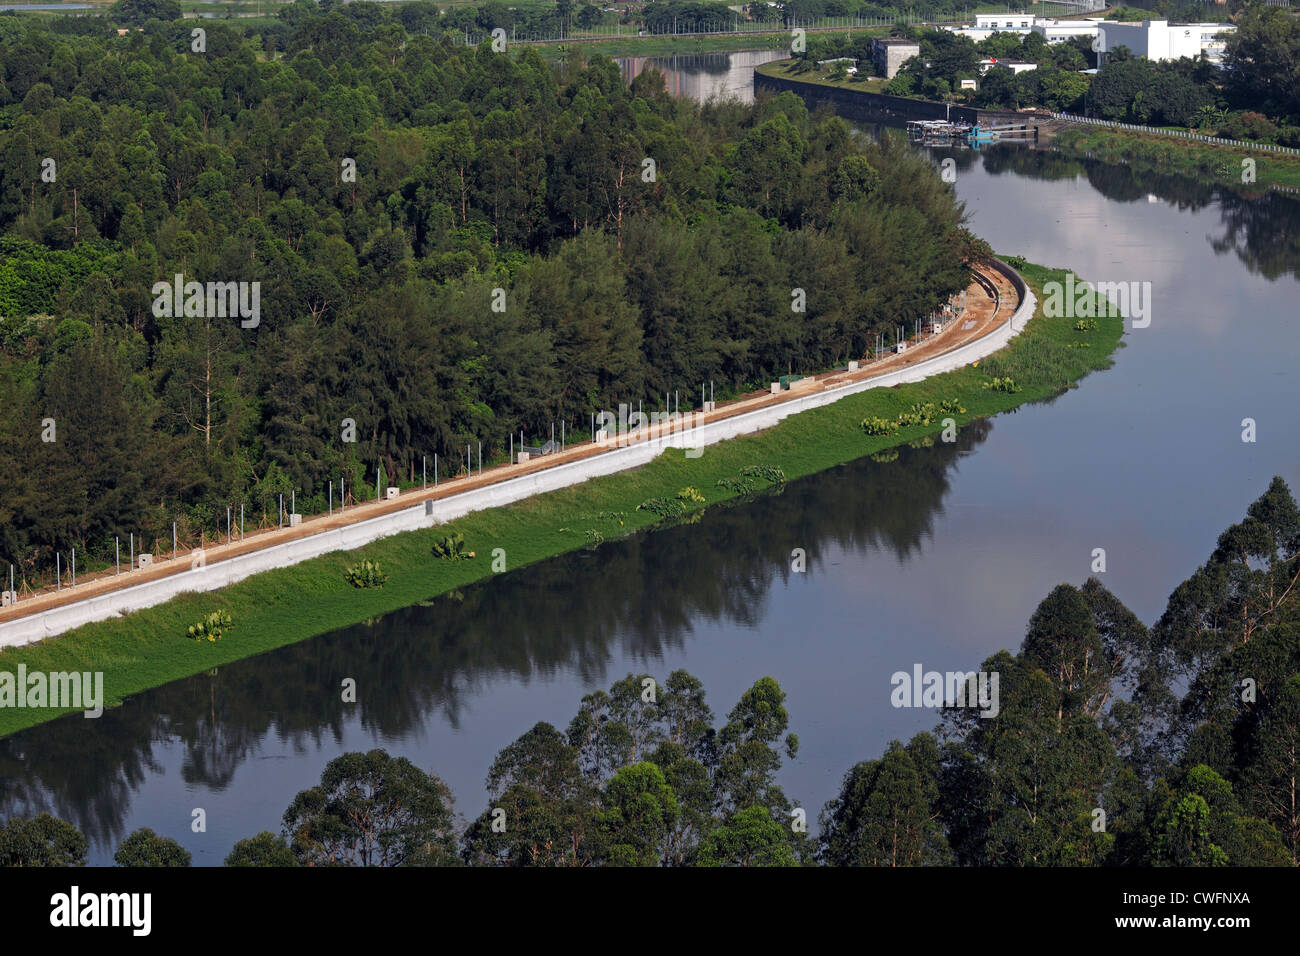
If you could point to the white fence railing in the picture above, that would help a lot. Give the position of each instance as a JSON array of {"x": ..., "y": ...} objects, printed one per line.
[{"x": 1176, "y": 133}]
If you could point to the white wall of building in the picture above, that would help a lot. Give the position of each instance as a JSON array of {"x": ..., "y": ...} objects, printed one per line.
[{"x": 1160, "y": 40}]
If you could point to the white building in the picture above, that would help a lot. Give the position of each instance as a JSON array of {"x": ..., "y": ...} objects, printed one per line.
[
  {"x": 1004, "y": 21},
  {"x": 1062, "y": 31},
  {"x": 1153, "y": 39},
  {"x": 1162, "y": 40},
  {"x": 1054, "y": 31}
]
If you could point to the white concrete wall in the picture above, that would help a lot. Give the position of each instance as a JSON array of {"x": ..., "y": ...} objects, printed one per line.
[{"x": 219, "y": 574}]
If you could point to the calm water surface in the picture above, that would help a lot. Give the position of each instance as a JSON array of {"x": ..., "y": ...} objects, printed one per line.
[{"x": 935, "y": 558}]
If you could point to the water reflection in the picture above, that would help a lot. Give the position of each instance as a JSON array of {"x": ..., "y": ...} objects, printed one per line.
[
  {"x": 1260, "y": 227},
  {"x": 633, "y": 599}
]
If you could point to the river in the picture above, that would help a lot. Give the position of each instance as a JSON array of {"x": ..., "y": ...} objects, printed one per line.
[{"x": 936, "y": 558}]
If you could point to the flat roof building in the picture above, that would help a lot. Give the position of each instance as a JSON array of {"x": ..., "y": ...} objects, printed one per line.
[
  {"x": 1161, "y": 40},
  {"x": 890, "y": 53}
]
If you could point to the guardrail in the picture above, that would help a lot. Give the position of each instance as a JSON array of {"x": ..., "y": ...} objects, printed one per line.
[{"x": 1175, "y": 133}]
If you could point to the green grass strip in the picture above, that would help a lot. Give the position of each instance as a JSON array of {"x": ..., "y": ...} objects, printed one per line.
[
  {"x": 149, "y": 648},
  {"x": 1213, "y": 162}
]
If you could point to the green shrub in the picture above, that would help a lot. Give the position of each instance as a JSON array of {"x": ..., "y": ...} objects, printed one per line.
[
  {"x": 690, "y": 494},
  {"x": 211, "y": 627},
  {"x": 1002, "y": 385},
  {"x": 452, "y": 548},
  {"x": 769, "y": 473},
  {"x": 878, "y": 426},
  {"x": 951, "y": 406},
  {"x": 740, "y": 486},
  {"x": 1085, "y": 325},
  {"x": 919, "y": 414},
  {"x": 663, "y": 507},
  {"x": 367, "y": 574}
]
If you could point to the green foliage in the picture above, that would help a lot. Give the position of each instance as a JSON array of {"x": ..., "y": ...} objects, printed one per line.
[
  {"x": 952, "y": 406},
  {"x": 452, "y": 548},
  {"x": 662, "y": 507},
  {"x": 211, "y": 627},
  {"x": 878, "y": 426},
  {"x": 372, "y": 809},
  {"x": 1085, "y": 325},
  {"x": 475, "y": 173},
  {"x": 367, "y": 574},
  {"x": 42, "y": 840},
  {"x": 1006, "y": 385},
  {"x": 146, "y": 848},
  {"x": 750, "y": 837},
  {"x": 769, "y": 473},
  {"x": 691, "y": 495},
  {"x": 265, "y": 849},
  {"x": 921, "y": 413},
  {"x": 737, "y": 486},
  {"x": 142, "y": 11},
  {"x": 885, "y": 812}
]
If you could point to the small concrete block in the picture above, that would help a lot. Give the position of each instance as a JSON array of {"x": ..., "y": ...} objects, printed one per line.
[
  {"x": 144, "y": 560},
  {"x": 392, "y": 493},
  {"x": 295, "y": 520}
]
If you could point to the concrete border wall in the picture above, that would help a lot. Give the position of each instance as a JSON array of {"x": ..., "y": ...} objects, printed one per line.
[
  {"x": 872, "y": 107},
  {"x": 57, "y": 620}
]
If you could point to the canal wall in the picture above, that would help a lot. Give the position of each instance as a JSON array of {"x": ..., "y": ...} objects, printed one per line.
[
  {"x": 426, "y": 514},
  {"x": 868, "y": 107}
]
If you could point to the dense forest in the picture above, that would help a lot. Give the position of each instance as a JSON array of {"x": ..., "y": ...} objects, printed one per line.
[
  {"x": 452, "y": 245},
  {"x": 1114, "y": 744}
]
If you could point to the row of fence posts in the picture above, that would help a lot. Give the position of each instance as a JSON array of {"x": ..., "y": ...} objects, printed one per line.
[
  {"x": 379, "y": 495},
  {"x": 1179, "y": 133}
]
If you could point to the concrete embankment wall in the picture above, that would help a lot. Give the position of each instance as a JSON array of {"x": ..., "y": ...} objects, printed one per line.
[
  {"x": 59, "y": 619},
  {"x": 871, "y": 107}
]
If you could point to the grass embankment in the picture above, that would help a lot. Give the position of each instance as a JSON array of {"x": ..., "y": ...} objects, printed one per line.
[
  {"x": 860, "y": 81},
  {"x": 280, "y": 607},
  {"x": 1220, "y": 164}
]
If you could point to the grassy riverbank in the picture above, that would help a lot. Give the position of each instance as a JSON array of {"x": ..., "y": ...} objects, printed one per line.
[
  {"x": 1220, "y": 164},
  {"x": 859, "y": 81},
  {"x": 280, "y": 607}
]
